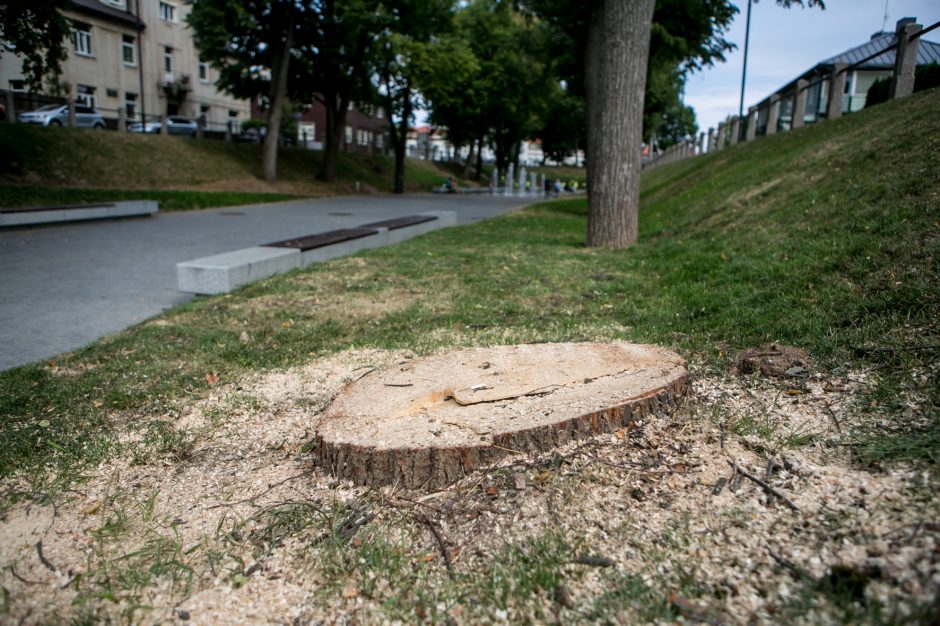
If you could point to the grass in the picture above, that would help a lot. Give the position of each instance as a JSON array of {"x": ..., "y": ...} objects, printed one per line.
[
  {"x": 826, "y": 238},
  {"x": 29, "y": 195},
  {"x": 45, "y": 165},
  {"x": 736, "y": 249}
]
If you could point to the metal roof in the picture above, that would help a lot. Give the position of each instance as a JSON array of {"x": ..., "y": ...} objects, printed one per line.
[{"x": 927, "y": 52}]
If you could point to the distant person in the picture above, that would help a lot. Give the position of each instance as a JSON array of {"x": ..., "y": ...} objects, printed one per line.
[
  {"x": 548, "y": 186},
  {"x": 568, "y": 187},
  {"x": 558, "y": 187},
  {"x": 449, "y": 185}
]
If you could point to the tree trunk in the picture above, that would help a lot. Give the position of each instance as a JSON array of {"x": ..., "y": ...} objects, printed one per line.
[
  {"x": 615, "y": 71},
  {"x": 399, "y": 144},
  {"x": 479, "y": 172},
  {"x": 277, "y": 96},
  {"x": 469, "y": 162},
  {"x": 335, "y": 127}
]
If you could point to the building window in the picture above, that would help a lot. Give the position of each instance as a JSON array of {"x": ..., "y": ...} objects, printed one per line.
[
  {"x": 128, "y": 51},
  {"x": 306, "y": 133},
  {"x": 233, "y": 121},
  {"x": 380, "y": 113},
  {"x": 380, "y": 141},
  {"x": 86, "y": 95},
  {"x": 203, "y": 71},
  {"x": 17, "y": 85},
  {"x": 118, "y": 4},
  {"x": 349, "y": 134},
  {"x": 167, "y": 12},
  {"x": 81, "y": 37},
  {"x": 167, "y": 59},
  {"x": 130, "y": 104}
]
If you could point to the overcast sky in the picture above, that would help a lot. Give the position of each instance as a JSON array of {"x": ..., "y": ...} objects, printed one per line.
[{"x": 787, "y": 42}]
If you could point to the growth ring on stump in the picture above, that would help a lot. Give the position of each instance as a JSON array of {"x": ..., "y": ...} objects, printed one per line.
[{"x": 426, "y": 423}]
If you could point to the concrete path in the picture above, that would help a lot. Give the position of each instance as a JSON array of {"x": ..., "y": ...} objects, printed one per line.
[{"x": 62, "y": 287}]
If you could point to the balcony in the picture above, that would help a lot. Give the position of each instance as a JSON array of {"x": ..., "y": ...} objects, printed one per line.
[{"x": 175, "y": 84}]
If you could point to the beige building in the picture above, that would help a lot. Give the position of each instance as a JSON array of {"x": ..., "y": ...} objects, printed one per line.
[{"x": 136, "y": 55}]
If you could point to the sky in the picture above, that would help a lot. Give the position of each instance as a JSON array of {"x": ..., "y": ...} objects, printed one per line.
[{"x": 785, "y": 43}]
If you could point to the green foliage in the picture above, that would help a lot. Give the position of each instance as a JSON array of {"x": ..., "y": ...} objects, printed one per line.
[
  {"x": 925, "y": 77},
  {"x": 36, "y": 31}
]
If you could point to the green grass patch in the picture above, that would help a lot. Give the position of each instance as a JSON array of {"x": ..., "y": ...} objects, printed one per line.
[
  {"x": 826, "y": 238},
  {"x": 24, "y": 196},
  {"x": 79, "y": 159}
]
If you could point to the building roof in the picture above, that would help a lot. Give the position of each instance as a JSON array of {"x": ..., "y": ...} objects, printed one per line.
[
  {"x": 99, "y": 9},
  {"x": 927, "y": 52}
]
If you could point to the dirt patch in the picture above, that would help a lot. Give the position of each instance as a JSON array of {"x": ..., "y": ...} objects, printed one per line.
[
  {"x": 774, "y": 360},
  {"x": 246, "y": 529}
]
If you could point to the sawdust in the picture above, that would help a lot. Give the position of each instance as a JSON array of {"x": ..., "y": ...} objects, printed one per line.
[{"x": 196, "y": 540}]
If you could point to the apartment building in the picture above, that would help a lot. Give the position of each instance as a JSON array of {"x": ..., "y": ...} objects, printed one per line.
[{"x": 139, "y": 56}]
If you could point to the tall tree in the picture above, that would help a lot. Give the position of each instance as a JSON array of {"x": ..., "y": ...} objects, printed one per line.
[
  {"x": 251, "y": 44},
  {"x": 337, "y": 53},
  {"x": 418, "y": 63},
  {"x": 615, "y": 72},
  {"x": 605, "y": 32},
  {"x": 35, "y": 30}
]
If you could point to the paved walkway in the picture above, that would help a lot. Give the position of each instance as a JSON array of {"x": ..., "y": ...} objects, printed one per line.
[{"x": 64, "y": 286}]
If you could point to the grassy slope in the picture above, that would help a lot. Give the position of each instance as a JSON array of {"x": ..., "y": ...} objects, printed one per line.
[
  {"x": 36, "y": 159},
  {"x": 826, "y": 238}
]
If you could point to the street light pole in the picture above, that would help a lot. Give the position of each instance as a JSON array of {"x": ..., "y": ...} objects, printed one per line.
[{"x": 747, "y": 38}]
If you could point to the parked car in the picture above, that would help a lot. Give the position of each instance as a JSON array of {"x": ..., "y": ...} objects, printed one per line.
[
  {"x": 175, "y": 125},
  {"x": 58, "y": 115}
]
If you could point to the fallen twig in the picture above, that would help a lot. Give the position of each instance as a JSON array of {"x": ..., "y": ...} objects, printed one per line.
[
  {"x": 440, "y": 544},
  {"x": 44, "y": 560},
  {"x": 835, "y": 419},
  {"x": 270, "y": 488},
  {"x": 764, "y": 486}
]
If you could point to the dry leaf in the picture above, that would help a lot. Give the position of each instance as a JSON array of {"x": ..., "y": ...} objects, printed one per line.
[
  {"x": 97, "y": 403},
  {"x": 427, "y": 558},
  {"x": 212, "y": 378},
  {"x": 542, "y": 476},
  {"x": 491, "y": 491},
  {"x": 92, "y": 508},
  {"x": 520, "y": 482},
  {"x": 794, "y": 392},
  {"x": 287, "y": 324},
  {"x": 350, "y": 592},
  {"x": 244, "y": 337},
  {"x": 620, "y": 434}
]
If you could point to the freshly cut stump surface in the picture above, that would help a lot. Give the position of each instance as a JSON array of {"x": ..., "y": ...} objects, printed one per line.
[{"x": 427, "y": 422}]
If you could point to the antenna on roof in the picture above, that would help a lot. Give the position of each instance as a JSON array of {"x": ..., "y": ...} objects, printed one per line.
[{"x": 884, "y": 24}]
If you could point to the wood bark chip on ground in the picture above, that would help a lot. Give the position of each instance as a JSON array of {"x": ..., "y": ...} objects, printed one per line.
[
  {"x": 770, "y": 490},
  {"x": 428, "y": 422}
]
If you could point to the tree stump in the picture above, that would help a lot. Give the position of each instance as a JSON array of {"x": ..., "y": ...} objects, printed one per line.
[{"x": 427, "y": 422}]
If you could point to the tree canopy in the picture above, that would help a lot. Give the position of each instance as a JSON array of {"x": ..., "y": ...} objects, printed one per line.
[{"x": 35, "y": 30}]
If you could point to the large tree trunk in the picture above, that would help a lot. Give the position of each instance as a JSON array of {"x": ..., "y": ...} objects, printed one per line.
[
  {"x": 278, "y": 95},
  {"x": 615, "y": 71}
]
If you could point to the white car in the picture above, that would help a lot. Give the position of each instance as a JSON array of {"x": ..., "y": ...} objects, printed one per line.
[
  {"x": 58, "y": 115},
  {"x": 175, "y": 125}
]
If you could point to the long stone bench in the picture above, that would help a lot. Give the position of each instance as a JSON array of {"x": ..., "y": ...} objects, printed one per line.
[
  {"x": 28, "y": 216},
  {"x": 221, "y": 273}
]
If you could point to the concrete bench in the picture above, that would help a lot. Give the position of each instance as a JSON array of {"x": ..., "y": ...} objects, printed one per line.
[
  {"x": 28, "y": 216},
  {"x": 221, "y": 273}
]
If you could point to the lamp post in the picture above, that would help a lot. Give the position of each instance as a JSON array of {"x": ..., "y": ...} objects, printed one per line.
[{"x": 747, "y": 38}]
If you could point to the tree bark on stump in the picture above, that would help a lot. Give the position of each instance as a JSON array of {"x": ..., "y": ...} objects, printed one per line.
[
  {"x": 427, "y": 423},
  {"x": 615, "y": 79}
]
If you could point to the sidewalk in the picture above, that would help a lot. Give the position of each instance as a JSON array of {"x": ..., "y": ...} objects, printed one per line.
[{"x": 65, "y": 286}]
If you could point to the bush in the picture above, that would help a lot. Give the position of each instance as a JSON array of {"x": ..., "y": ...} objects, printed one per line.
[{"x": 925, "y": 77}]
